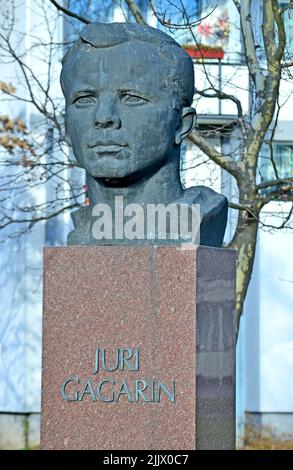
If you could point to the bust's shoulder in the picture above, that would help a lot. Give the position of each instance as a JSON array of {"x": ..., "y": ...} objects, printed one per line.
[
  {"x": 213, "y": 213},
  {"x": 81, "y": 219},
  {"x": 204, "y": 196}
]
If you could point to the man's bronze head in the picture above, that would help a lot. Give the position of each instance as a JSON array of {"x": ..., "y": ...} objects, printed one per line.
[{"x": 128, "y": 91}]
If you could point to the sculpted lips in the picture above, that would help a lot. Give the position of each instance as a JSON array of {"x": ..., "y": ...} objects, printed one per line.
[
  {"x": 110, "y": 145},
  {"x": 103, "y": 147}
]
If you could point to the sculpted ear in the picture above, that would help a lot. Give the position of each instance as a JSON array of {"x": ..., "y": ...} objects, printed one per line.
[{"x": 187, "y": 123}]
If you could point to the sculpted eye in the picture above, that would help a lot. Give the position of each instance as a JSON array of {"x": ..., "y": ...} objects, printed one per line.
[
  {"x": 133, "y": 99},
  {"x": 84, "y": 100}
]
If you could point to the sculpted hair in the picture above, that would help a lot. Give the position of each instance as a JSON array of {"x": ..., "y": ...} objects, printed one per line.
[{"x": 179, "y": 71}]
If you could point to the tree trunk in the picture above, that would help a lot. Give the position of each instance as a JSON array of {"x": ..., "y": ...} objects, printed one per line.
[{"x": 244, "y": 241}]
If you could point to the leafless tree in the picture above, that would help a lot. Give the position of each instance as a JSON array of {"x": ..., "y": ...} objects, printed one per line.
[
  {"x": 266, "y": 68},
  {"x": 31, "y": 159}
]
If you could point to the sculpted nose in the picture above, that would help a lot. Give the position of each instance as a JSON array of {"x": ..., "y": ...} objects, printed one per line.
[{"x": 106, "y": 114}]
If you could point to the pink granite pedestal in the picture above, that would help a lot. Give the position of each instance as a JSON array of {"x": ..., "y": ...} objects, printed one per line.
[{"x": 177, "y": 308}]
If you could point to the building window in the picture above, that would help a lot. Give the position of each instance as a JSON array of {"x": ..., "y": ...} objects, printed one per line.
[
  {"x": 281, "y": 158},
  {"x": 288, "y": 23}
]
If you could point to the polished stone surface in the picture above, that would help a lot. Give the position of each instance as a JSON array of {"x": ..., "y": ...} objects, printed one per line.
[
  {"x": 159, "y": 299},
  {"x": 215, "y": 348}
]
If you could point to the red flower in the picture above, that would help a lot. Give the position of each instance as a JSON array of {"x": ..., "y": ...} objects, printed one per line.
[{"x": 205, "y": 29}]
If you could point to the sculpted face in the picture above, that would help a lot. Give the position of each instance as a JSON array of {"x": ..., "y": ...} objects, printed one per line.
[{"x": 121, "y": 112}]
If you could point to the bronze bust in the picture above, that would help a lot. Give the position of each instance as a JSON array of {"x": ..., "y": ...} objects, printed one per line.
[{"x": 128, "y": 91}]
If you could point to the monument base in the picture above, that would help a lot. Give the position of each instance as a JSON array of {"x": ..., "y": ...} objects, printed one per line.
[{"x": 138, "y": 348}]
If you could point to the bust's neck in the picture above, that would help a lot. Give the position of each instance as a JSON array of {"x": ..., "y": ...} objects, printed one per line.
[{"x": 162, "y": 186}]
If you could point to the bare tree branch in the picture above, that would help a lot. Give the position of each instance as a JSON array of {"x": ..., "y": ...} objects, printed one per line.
[
  {"x": 224, "y": 161},
  {"x": 70, "y": 13},
  {"x": 281, "y": 31},
  {"x": 249, "y": 44},
  {"x": 277, "y": 182},
  {"x": 161, "y": 17},
  {"x": 135, "y": 11},
  {"x": 222, "y": 96}
]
